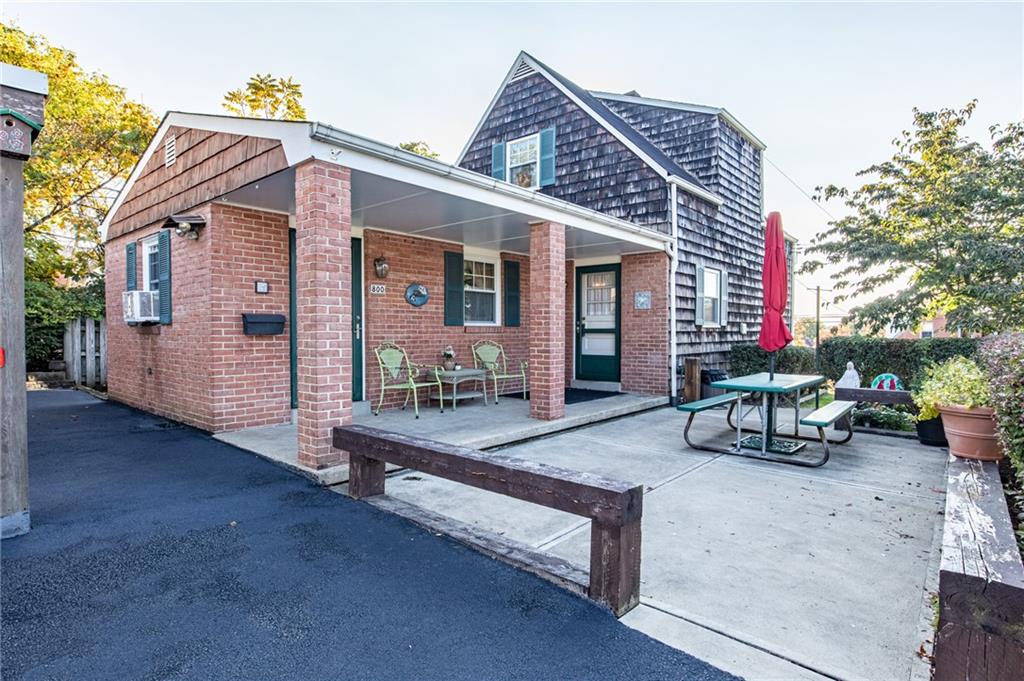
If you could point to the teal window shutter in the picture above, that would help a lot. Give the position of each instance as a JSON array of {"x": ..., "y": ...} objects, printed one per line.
[
  {"x": 547, "y": 157},
  {"x": 130, "y": 261},
  {"x": 164, "y": 275},
  {"x": 510, "y": 277},
  {"x": 498, "y": 161},
  {"x": 699, "y": 312},
  {"x": 724, "y": 298},
  {"x": 454, "y": 303}
]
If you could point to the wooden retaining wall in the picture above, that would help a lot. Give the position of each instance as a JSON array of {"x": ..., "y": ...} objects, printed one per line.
[{"x": 981, "y": 580}]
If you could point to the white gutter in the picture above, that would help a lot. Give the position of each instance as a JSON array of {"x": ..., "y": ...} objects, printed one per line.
[
  {"x": 544, "y": 206},
  {"x": 673, "y": 267},
  {"x": 695, "y": 190}
]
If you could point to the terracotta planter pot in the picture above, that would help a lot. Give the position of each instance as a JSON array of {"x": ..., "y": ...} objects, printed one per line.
[{"x": 971, "y": 432}]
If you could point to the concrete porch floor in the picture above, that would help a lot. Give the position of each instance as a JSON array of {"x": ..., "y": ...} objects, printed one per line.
[
  {"x": 473, "y": 424},
  {"x": 765, "y": 570}
]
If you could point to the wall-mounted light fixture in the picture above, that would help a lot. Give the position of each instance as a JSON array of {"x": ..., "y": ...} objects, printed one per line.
[
  {"x": 186, "y": 225},
  {"x": 380, "y": 265}
]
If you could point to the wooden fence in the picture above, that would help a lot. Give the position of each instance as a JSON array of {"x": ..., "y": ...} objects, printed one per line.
[{"x": 85, "y": 351}]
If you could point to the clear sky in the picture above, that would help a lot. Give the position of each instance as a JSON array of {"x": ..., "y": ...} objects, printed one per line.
[{"x": 826, "y": 86}]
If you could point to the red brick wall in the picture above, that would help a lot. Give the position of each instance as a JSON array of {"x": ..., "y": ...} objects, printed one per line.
[
  {"x": 164, "y": 369},
  {"x": 421, "y": 330},
  {"x": 250, "y": 380},
  {"x": 645, "y": 340},
  {"x": 201, "y": 369},
  {"x": 570, "y": 321}
]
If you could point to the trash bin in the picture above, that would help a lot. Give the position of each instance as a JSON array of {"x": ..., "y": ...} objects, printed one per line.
[{"x": 709, "y": 376}]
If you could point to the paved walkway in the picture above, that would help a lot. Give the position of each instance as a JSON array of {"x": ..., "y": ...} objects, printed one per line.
[
  {"x": 766, "y": 570},
  {"x": 160, "y": 553}
]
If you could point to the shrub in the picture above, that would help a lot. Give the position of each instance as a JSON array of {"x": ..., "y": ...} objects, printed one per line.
[
  {"x": 1003, "y": 357},
  {"x": 958, "y": 381},
  {"x": 907, "y": 358},
  {"x": 881, "y": 416},
  {"x": 748, "y": 358}
]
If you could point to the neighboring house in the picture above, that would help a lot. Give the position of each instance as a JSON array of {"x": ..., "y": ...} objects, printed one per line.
[
  {"x": 933, "y": 328},
  {"x": 601, "y": 237}
]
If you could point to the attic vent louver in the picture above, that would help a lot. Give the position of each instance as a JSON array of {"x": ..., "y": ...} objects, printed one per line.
[
  {"x": 522, "y": 70},
  {"x": 170, "y": 151}
]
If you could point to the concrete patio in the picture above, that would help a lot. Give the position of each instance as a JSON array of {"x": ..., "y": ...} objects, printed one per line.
[
  {"x": 472, "y": 424},
  {"x": 765, "y": 570}
]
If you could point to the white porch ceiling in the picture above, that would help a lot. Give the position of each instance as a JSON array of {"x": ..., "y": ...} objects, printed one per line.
[{"x": 387, "y": 204}]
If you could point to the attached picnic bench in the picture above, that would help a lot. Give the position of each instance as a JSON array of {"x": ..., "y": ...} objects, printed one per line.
[
  {"x": 614, "y": 507},
  {"x": 694, "y": 408},
  {"x": 826, "y": 416}
]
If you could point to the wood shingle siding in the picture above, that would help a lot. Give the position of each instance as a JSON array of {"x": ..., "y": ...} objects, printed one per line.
[
  {"x": 592, "y": 167},
  {"x": 207, "y": 164},
  {"x": 729, "y": 238}
]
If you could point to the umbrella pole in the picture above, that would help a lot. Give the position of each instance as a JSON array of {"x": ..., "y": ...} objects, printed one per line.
[
  {"x": 771, "y": 366},
  {"x": 770, "y": 416}
]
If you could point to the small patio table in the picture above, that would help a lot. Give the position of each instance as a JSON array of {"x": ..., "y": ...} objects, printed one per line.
[
  {"x": 769, "y": 388},
  {"x": 454, "y": 377}
]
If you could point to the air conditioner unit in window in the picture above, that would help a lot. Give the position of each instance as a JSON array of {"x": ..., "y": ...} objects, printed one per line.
[{"x": 141, "y": 306}]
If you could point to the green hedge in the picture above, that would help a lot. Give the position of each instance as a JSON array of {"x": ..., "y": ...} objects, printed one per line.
[
  {"x": 748, "y": 358},
  {"x": 1003, "y": 358},
  {"x": 905, "y": 358}
]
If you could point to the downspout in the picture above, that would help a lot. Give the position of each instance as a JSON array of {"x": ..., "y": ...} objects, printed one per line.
[{"x": 673, "y": 267}]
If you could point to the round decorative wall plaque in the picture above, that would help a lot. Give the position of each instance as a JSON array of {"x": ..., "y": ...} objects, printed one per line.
[{"x": 416, "y": 295}]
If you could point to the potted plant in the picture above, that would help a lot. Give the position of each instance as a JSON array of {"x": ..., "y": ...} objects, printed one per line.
[
  {"x": 448, "y": 358},
  {"x": 957, "y": 390}
]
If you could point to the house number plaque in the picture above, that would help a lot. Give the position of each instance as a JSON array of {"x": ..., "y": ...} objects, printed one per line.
[{"x": 377, "y": 289}]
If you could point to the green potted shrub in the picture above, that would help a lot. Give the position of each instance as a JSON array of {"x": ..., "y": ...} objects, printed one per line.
[{"x": 958, "y": 391}]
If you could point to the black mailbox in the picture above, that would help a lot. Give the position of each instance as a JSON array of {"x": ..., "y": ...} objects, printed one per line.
[{"x": 259, "y": 324}]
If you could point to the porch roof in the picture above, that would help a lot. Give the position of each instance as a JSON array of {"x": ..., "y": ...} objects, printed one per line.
[{"x": 399, "y": 191}]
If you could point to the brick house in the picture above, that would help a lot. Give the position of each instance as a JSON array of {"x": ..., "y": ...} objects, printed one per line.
[{"x": 600, "y": 237}]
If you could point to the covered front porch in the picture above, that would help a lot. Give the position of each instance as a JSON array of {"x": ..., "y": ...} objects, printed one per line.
[
  {"x": 473, "y": 425},
  {"x": 389, "y": 247}
]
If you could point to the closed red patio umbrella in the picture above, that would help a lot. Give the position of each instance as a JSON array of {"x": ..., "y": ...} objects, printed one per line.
[{"x": 775, "y": 334}]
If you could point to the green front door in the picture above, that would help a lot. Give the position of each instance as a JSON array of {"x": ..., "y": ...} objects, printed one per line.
[
  {"x": 357, "y": 319},
  {"x": 597, "y": 323}
]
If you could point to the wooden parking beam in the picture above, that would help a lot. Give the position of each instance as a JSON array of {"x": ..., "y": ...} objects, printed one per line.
[{"x": 614, "y": 507}]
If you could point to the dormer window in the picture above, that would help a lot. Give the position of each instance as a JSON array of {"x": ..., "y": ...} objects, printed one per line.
[
  {"x": 527, "y": 162},
  {"x": 523, "y": 158}
]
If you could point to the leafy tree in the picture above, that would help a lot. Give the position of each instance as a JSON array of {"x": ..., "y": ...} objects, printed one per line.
[
  {"x": 266, "y": 96},
  {"x": 92, "y": 137},
  {"x": 945, "y": 213},
  {"x": 421, "y": 148}
]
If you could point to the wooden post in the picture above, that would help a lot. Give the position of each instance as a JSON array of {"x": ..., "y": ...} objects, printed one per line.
[
  {"x": 67, "y": 352},
  {"x": 90, "y": 352},
  {"x": 22, "y": 95},
  {"x": 365, "y": 476},
  {"x": 76, "y": 350},
  {"x": 103, "y": 350},
  {"x": 691, "y": 382},
  {"x": 615, "y": 565}
]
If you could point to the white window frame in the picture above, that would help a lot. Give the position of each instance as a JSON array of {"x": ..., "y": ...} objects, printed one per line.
[
  {"x": 508, "y": 161},
  {"x": 717, "y": 323},
  {"x": 148, "y": 244},
  {"x": 472, "y": 255},
  {"x": 928, "y": 330}
]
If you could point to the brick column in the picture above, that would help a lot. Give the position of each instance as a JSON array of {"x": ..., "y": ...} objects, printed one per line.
[
  {"x": 323, "y": 256},
  {"x": 547, "y": 321}
]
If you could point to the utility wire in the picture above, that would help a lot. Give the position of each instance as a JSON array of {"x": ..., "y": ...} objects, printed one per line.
[{"x": 800, "y": 189}]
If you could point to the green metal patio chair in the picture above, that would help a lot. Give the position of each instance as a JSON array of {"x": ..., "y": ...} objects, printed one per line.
[
  {"x": 397, "y": 372},
  {"x": 490, "y": 356}
]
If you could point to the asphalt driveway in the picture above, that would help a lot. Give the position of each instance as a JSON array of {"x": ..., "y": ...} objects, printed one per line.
[{"x": 159, "y": 553}]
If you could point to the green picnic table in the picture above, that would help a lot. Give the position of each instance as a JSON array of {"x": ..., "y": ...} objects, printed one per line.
[{"x": 765, "y": 442}]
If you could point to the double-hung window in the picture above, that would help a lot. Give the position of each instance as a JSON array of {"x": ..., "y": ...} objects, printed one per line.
[
  {"x": 151, "y": 263},
  {"x": 712, "y": 296},
  {"x": 480, "y": 280},
  {"x": 522, "y": 157}
]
